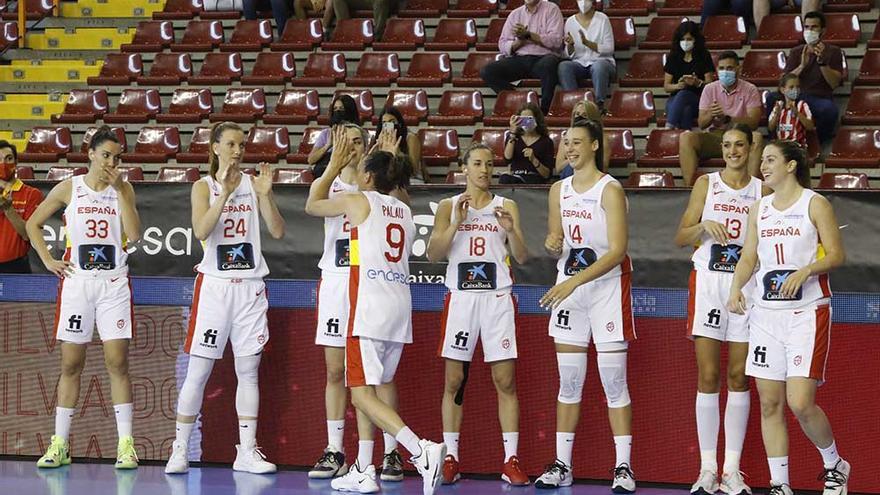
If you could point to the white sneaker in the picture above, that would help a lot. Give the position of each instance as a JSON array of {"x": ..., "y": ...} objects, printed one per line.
[
  {"x": 177, "y": 463},
  {"x": 356, "y": 480},
  {"x": 734, "y": 484},
  {"x": 624, "y": 479},
  {"x": 555, "y": 475},
  {"x": 252, "y": 461},
  {"x": 707, "y": 483},
  {"x": 429, "y": 464},
  {"x": 836, "y": 478},
  {"x": 779, "y": 489}
]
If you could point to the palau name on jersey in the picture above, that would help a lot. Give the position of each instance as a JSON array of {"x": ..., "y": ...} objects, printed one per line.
[{"x": 392, "y": 212}]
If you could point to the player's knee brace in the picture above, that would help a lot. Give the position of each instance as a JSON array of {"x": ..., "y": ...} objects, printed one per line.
[
  {"x": 612, "y": 372},
  {"x": 189, "y": 399},
  {"x": 247, "y": 394},
  {"x": 572, "y": 373}
]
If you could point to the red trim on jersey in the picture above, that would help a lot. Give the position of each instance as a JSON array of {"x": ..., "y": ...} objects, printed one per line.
[
  {"x": 58, "y": 305},
  {"x": 626, "y": 265},
  {"x": 443, "y": 320},
  {"x": 318, "y": 303},
  {"x": 131, "y": 307},
  {"x": 354, "y": 363},
  {"x": 66, "y": 254},
  {"x": 824, "y": 285},
  {"x": 629, "y": 329},
  {"x": 821, "y": 342},
  {"x": 692, "y": 302},
  {"x": 194, "y": 313}
]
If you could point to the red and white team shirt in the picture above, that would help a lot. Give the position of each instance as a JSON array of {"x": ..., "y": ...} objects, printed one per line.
[
  {"x": 337, "y": 233},
  {"x": 95, "y": 238},
  {"x": 787, "y": 242},
  {"x": 789, "y": 126},
  {"x": 478, "y": 257},
  {"x": 729, "y": 207}
]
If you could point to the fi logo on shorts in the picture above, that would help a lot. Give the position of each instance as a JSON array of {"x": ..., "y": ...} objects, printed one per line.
[
  {"x": 97, "y": 256},
  {"x": 476, "y": 276},
  {"x": 724, "y": 258},
  {"x": 235, "y": 257},
  {"x": 759, "y": 356},
  {"x": 209, "y": 338},
  {"x": 773, "y": 281},
  {"x": 578, "y": 260}
]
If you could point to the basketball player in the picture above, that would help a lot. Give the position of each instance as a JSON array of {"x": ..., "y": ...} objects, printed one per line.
[
  {"x": 100, "y": 220},
  {"x": 794, "y": 238},
  {"x": 229, "y": 299},
  {"x": 380, "y": 316},
  {"x": 591, "y": 300},
  {"x": 715, "y": 221},
  {"x": 474, "y": 231}
]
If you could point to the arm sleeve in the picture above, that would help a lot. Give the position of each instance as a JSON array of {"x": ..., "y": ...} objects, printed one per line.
[
  {"x": 606, "y": 41},
  {"x": 34, "y": 199},
  {"x": 322, "y": 138},
  {"x": 835, "y": 61},
  {"x": 794, "y": 58},
  {"x": 705, "y": 98},
  {"x": 551, "y": 33},
  {"x": 506, "y": 40},
  {"x": 754, "y": 98}
]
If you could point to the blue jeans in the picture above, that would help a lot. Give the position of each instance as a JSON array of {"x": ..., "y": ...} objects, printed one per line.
[
  {"x": 279, "y": 11},
  {"x": 601, "y": 72},
  {"x": 682, "y": 109},
  {"x": 742, "y": 8},
  {"x": 824, "y": 111}
]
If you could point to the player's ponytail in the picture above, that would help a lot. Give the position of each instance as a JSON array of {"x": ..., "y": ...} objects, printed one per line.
[
  {"x": 389, "y": 172},
  {"x": 792, "y": 151},
  {"x": 217, "y": 131}
]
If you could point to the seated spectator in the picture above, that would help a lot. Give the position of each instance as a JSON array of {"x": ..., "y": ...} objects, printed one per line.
[
  {"x": 409, "y": 149},
  {"x": 342, "y": 110},
  {"x": 588, "y": 110},
  {"x": 382, "y": 10},
  {"x": 279, "y": 11},
  {"x": 791, "y": 119},
  {"x": 688, "y": 68},
  {"x": 589, "y": 43},
  {"x": 742, "y": 8},
  {"x": 303, "y": 9},
  {"x": 17, "y": 202},
  {"x": 762, "y": 8},
  {"x": 723, "y": 104},
  {"x": 530, "y": 42},
  {"x": 529, "y": 149}
]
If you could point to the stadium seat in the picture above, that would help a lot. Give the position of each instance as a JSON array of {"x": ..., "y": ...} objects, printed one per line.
[
  {"x": 322, "y": 69},
  {"x": 151, "y": 36},
  {"x": 843, "y": 30},
  {"x": 136, "y": 106},
  {"x": 200, "y": 36},
  {"x": 46, "y": 144},
  {"x": 780, "y": 31},
  {"x": 218, "y": 69},
  {"x": 660, "y": 32},
  {"x": 556, "y": 136},
  {"x": 509, "y": 7},
  {"x": 62, "y": 173},
  {"x": 630, "y": 109},
  {"x": 454, "y": 177},
  {"x": 198, "y": 147},
  {"x": 362, "y": 97},
  {"x": 470, "y": 72},
  {"x": 402, "y": 34},
  {"x": 34, "y": 10},
  {"x": 118, "y": 69},
  {"x": 473, "y": 8},
  {"x": 439, "y": 146},
  {"x": 178, "y": 174},
  {"x": 168, "y": 69},
  {"x": 507, "y": 103},
  {"x": 83, "y": 106},
  {"x": 622, "y": 148},
  {"x": 24, "y": 172},
  {"x": 82, "y": 156},
  {"x": 224, "y": 14},
  {"x": 454, "y": 35},
  {"x": 249, "y": 36},
  {"x": 863, "y": 107},
  {"x": 295, "y": 107},
  {"x": 869, "y": 71},
  {"x": 617, "y": 8},
  {"x": 645, "y": 70},
  {"x": 624, "y": 29},
  {"x": 8, "y": 35},
  {"x": 493, "y": 34},
  {"x": 310, "y": 135},
  {"x": 266, "y": 144},
  {"x": 300, "y": 35},
  {"x": 493, "y": 138},
  {"x": 292, "y": 176},
  {"x": 848, "y": 6},
  {"x": 842, "y": 180},
  {"x": 569, "y": 7},
  {"x": 725, "y": 32},
  {"x": 681, "y": 7},
  {"x": 188, "y": 106},
  {"x": 650, "y": 179},
  {"x": 661, "y": 149},
  {"x": 132, "y": 174},
  {"x": 424, "y": 9},
  {"x": 874, "y": 42},
  {"x": 563, "y": 103},
  {"x": 375, "y": 69},
  {"x": 241, "y": 105},
  {"x": 855, "y": 148},
  {"x": 763, "y": 68},
  {"x": 412, "y": 103},
  {"x": 154, "y": 145},
  {"x": 271, "y": 68},
  {"x": 427, "y": 70},
  {"x": 180, "y": 9},
  {"x": 458, "y": 108},
  {"x": 350, "y": 35}
]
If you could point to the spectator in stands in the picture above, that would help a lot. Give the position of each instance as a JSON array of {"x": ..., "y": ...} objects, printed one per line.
[
  {"x": 303, "y": 9},
  {"x": 688, "y": 68},
  {"x": 583, "y": 110},
  {"x": 17, "y": 202},
  {"x": 343, "y": 109},
  {"x": 742, "y": 8},
  {"x": 790, "y": 118},
  {"x": 529, "y": 149},
  {"x": 279, "y": 11},
  {"x": 409, "y": 149},
  {"x": 530, "y": 41},
  {"x": 723, "y": 104},
  {"x": 762, "y": 8},
  {"x": 382, "y": 10},
  {"x": 589, "y": 43}
]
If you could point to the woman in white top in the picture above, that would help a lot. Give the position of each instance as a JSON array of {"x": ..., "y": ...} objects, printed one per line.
[{"x": 589, "y": 43}]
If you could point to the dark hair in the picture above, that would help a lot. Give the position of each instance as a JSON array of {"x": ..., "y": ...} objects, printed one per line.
[
  {"x": 349, "y": 108},
  {"x": 101, "y": 136},
  {"x": 594, "y": 128},
  {"x": 792, "y": 151},
  {"x": 816, "y": 15},
  {"x": 402, "y": 130},
  {"x": 788, "y": 76},
  {"x": 692, "y": 28},
  {"x": 743, "y": 128},
  {"x": 728, "y": 54},
  {"x": 389, "y": 172},
  {"x": 476, "y": 146},
  {"x": 6, "y": 144},
  {"x": 540, "y": 124},
  {"x": 217, "y": 131}
]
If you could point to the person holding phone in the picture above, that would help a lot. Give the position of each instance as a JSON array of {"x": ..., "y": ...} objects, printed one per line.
[{"x": 529, "y": 149}]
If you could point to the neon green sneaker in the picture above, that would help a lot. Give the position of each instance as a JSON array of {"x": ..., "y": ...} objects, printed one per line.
[
  {"x": 57, "y": 455},
  {"x": 126, "y": 456}
]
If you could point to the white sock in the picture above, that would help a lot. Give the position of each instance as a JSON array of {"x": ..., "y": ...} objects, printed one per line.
[
  {"x": 450, "y": 438},
  {"x": 390, "y": 442},
  {"x": 183, "y": 432},
  {"x": 564, "y": 445},
  {"x": 335, "y": 433},
  {"x": 247, "y": 432},
  {"x": 778, "y": 470},
  {"x": 123, "y": 419},
  {"x": 623, "y": 449},
  {"x": 736, "y": 422},
  {"x": 511, "y": 441},
  {"x": 409, "y": 440},
  {"x": 708, "y": 423},
  {"x": 829, "y": 455},
  {"x": 365, "y": 453},
  {"x": 63, "y": 417}
]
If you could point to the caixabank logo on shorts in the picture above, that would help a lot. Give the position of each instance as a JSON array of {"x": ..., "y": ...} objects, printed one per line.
[
  {"x": 235, "y": 257},
  {"x": 578, "y": 260},
  {"x": 343, "y": 253},
  {"x": 97, "y": 256},
  {"x": 476, "y": 276},
  {"x": 773, "y": 281},
  {"x": 724, "y": 258}
]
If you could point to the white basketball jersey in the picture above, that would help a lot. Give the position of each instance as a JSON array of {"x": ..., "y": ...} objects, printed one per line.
[
  {"x": 729, "y": 207},
  {"x": 95, "y": 239},
  {"x": 233, "y": 249},
  {"x": 337, "y": 233},
  {"x": 379, "y": 274},
  {"x": 787, "y": 242},
  {"x": 585, "y": 227},
  {"x": 478, "y": 258}
]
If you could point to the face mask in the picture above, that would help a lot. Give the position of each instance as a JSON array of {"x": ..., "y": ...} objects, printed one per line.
[
  {"x": 686, "y": 45},
  {"x": 792, "y": 94},
  {"x": 337, "y": 117},
  {"x": 585, "y": 5},
  {"x": 389, "y": 126},
  {"x": 811, "y": 37},
  {"x": 7, "y": 171},
  {"x": 727, "y": 77},
  {"x": 527, "y": 123}
]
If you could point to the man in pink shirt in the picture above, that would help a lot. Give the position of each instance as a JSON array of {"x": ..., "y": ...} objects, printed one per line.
[
  {"x": 531, "y": 42},
  {"x": 723, "y": 104}
]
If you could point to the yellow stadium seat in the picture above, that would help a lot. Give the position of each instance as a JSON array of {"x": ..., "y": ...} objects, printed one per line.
[
  {"x": 111, "y": 8},
  {"x": 30, "y": 106},
  {"x": 80, "y": 39},
  {"x": 50, "y": 70},
  {"x": 18, "y": 138}
]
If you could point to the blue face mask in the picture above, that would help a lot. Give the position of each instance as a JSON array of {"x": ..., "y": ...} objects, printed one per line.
[{"x": 727, "y": 77}]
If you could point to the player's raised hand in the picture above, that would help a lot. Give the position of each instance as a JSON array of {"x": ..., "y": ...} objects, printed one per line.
[
  {"x": 505, "y": 219},
  {"x": 461, "y": 208},
  {"x": 263, "y": 180}
]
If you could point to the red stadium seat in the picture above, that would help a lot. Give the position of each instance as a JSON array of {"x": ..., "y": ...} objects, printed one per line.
[
  {"x": 118, "y": 69},
  {"x": 874, "y": 42},
  {"x": 151, "y": 36},
  {"x": 188, "y": 106},
  {"x": 660, "y": 33},
  {"x": 855, "y": 148},
  {"x": 218, "y": 69},
  {"x": 241, "y": 105},
  {"x": 83, "y": 106},
  {"x": 180, "y": 9},
  {"x": 362, "y": 97},
  {"x": 650, "y": 179},
  {"x": 168, "y": 69},
  {"x": 869, "y": 71},
  {"x": 493, "y": 34},
  {"x": 63, "y": 173},
  {"x": 863, "y": 107},
  {"x": 82, "y": 156},
  {"x": 661, "y": 149},
  {"x": 350, "y": 35},
  {"x": 493, "y": 138},
  {"x": 154, "y": 145},
  {"x": 295, "y": 107},
  {"x": 402, "y": 34},
  {"x": 458, "y": 108},
  {"x": 624, "y": 29},
  {"x": 569, "y": 7},
  {"x": 136, "y": 106},
  {"x": 271, "y": 68},
  {"x": 427, "y": 70},
  {"x": 249, "y": 36},
  {"x": 24, "y": 172},
  {"x": 454, "y": 35},
  {"x": 266, "y": 144},
  {"x": 842, "y": 180},
  {"x": 46, "y": 144},
  {"x": 439, "y": 146},
  {"x": 322, "y": 69},
  {"x": 200, "y": 36},
  {"x": 630, "y": 109},
  {"x": 8, "y": 35},
  {"x": 178, "y": 174},
  {"x": 300, "y": 35},
  {"x": 376, "y": 69},
  {"x": 456, "y": 178},
  {"x": 198, "y": 147},
  {"x": 510, "y": 7},
  {"x": 470, "y": 72},
  {"x": 224, "y": 14},
  {"x": 424, "y": 9},
  {"x": 848, "y": 6},
  {"x": 413, "y": 104},
  {"x": 508, "y": 103},
  {"x": 616, "y": 8},
  {"x": 563, "y": 103},
  {"x": 292, "y": 176},
  {"x": 763, "y": 68},
  {"x": 473, "y": 8},
  {"x": 310, "y": 135},
  {"x": 622, "y": 149},
  {"x": 681, "y": 7},
  {"x": 842, "y": 30},
  {"x": 780, "y": 31},
  {"x": 132, "y": 174},
  {"x": 34, "y": 10},
  {"x": 555, "y": 135},
  {"x": 645, "y": 70},
  {"x": 725, "y": 32}
]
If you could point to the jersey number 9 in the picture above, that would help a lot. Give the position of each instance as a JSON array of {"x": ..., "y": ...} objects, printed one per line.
[{"x": 395, "y": 236}]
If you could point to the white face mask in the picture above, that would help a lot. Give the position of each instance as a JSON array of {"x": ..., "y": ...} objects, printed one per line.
[
  {"x": 585, "y": 5},
  {"x": 811, "y": 37},
  {"x": 686, "y": 45}
]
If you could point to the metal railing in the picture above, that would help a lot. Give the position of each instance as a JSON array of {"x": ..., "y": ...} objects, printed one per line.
[{"x": 22, "y": 19}]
